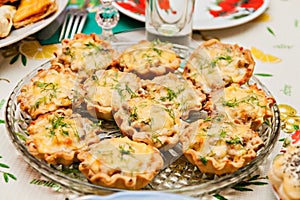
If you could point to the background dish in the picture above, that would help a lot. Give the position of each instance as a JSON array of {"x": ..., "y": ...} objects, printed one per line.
[
  {"x": 179, "y": 176},
  {"x": 18, "y": 34},
  {"x": 203, "y": 20},
  {"x": 137, "y": 196}
]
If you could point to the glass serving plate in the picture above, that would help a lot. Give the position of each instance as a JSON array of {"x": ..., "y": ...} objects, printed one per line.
[{"x": 177, "y": 176}]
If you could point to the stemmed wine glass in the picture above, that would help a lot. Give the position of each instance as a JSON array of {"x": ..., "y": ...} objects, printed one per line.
[{"x": 107, "y": 17}]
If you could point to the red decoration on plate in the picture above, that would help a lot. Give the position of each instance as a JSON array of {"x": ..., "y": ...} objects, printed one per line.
[
  {"x": 254, "y": 4},
  {"x": 135, "y": 6},
  {"x": 139, "y": 6},
  {"x": 296, "y": 137},
  {"x": 229, "y": 7}
]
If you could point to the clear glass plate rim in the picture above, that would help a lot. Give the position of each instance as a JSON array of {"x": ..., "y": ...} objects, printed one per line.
[{"x": 206, "y": 187}]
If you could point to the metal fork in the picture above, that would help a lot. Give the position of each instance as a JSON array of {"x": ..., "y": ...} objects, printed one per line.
[{"x": 74, "y": 21}]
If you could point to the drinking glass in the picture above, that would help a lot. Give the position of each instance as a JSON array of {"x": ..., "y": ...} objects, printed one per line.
[
  {"x": 107, "y": 17},
  {"x": 169, "y": 20}
]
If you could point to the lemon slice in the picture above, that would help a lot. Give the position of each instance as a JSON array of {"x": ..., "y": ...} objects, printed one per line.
[
  {"x": 33, "y": 49},
  {"x": 260, "y": 55},
  {"x": 263, "y": 18}
]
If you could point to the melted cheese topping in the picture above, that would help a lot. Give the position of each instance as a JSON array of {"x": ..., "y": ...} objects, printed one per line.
[
  {"x": 112, "y": 160},
  {"x": 169, "y": 89},
  {"x": 86, "y": 54},
  {"x": 245, "y": 105},
  {"x": 100, "y": 88},
  {"x": 59, "y": 133},
  {"x": 147, "y": 120},
  {"x": 149, "y": 115},
  {"x": 132, "y": 158},
  {"x": 149, "y": 59},
  {"x": 214, "y": 65},
  {"x": 220, "y": 142},
  {"x": 48, "y": 91}
]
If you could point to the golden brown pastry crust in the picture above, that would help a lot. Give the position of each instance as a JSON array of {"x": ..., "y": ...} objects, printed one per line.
[
  {"x": 244, "y": 105},
  {"x": 214, "y": 65},
  {"x": 9, "y": 2},
  {"x": 85, "y": 54},
  {"x": 144, "y": 119},
  {"x": 49, "y": 90},
  {"x": 219, "y": 146},
  {"x": 58, "y": 137},
  {"x": 120, "y": 163},
  {"x": 30, "y": 11},
  {"x": 149, "y": 59}
]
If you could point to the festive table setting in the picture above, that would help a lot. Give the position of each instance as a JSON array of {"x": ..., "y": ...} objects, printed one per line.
[{"x": 268, "y": 29}]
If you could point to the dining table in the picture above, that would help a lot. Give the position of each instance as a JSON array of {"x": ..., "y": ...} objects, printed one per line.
[{"x": 273, "y": 37}]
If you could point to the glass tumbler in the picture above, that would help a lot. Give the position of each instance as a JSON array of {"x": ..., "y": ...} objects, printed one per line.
[{"x": 170, "y": 20}]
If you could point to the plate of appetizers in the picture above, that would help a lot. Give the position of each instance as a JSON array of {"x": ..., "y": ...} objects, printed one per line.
[
  {"x": 28, "y": 28},
  {"x": 143, "y": 116},
  {"x": 208, "y": 14},
  {"x": 284, "y": 170}
]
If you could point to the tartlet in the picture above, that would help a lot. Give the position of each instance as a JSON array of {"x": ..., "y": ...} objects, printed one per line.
[
  {"x": 244, "y": 105},
  {"x": 120, "y": 163},
  {"x": 214, "y": 65},
  {"x": 85, "y": 54},
  {"x": 49, "y": 90},
  {"x": 59, "y": 136},
  {"x": 149, "y": 59},
  {"x": 219, "y": 146},
  {"x": 173, "y": 91},
  {"x": 100, "y": 88},
  {"x": 144, "y": 119}
]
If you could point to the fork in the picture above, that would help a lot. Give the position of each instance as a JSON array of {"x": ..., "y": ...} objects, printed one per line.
[{"x": 74, "y": 21}]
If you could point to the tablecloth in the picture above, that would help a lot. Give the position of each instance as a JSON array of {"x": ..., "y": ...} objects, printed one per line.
[
  {"x": 274, "y": 39},
  {"x": 125, "y": 23}
]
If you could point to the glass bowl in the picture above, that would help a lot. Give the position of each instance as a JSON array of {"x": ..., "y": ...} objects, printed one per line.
[{"x": 178, "y": 175}]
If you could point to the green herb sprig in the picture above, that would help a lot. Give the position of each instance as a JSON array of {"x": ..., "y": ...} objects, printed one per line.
[
  {"x": 1, "y": 105},
  {"x": 6, "y": 175}
]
